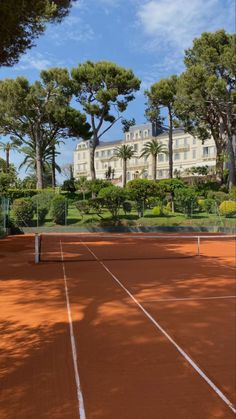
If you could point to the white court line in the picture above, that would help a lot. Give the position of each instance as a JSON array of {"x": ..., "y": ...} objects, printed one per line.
[
  {"x": 159, "y": 327},
  {"x": 73, "y": 345},
  {"x": 189, "y": 299}
]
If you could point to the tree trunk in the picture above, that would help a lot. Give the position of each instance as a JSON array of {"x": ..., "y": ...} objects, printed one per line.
[
  {"x": 170, "y": 143},
  {"x": 39, "y": 171},
  {"x": 53, "y": 168},
  {"x": 220, "y": 167},
  {"x": 7, "y": 159},
  {"x": 124, "y": 172},
  {"x": 232, "y": 171},
  {"x": 154, "y": 167}
]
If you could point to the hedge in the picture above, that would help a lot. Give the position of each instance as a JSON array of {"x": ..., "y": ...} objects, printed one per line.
[{"x": 228, "y": 208}]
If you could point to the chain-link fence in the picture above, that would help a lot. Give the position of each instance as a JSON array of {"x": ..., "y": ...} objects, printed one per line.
[{"x": 4, "y": 211}]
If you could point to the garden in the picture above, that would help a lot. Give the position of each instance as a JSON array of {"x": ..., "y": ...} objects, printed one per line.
[{"x": 142, "y": 202}]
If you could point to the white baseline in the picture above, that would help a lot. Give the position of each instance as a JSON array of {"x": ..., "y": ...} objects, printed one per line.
[{"x": 159, "y": 327}]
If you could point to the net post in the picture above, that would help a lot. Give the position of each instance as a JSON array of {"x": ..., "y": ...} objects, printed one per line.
[
  {"x": 198, "y": 245},
  {"x": 37, "y": 247}
]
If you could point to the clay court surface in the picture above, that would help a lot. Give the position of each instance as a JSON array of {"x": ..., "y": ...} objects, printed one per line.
[{"x": 127, "y": 328}]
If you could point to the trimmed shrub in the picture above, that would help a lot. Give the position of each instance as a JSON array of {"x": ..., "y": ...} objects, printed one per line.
[
  {"x": 232, "y": 193},
  {"x": 113, "y": 197},
  {"x": 96, "y": 205},
  {"x": 201, "y": 204},
  {"x": 210, "y": 205},
  {"x": 218, "y": 196},
  {"x": 83, "y": 207},
  {"x": 186, "y": 200},
  {"x": 23, "y": 211},
  {"x": 228, "y": 208},
  {"x": 127, "y": 207},
  {"x": 160, "y": 211},
  {"x": 59, "y": 209}
]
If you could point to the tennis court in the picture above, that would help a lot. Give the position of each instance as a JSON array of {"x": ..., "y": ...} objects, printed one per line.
[{"x": 118, "y": 326}]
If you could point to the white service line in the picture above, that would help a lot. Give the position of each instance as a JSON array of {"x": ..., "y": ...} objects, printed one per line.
[
  {"x": 159, "y": 327},
  {"x": 188, "y": 299},
  {"x": 80, "y": 399}
]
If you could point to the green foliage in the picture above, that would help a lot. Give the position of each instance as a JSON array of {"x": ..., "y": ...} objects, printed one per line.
[
  {"x": 228, "y": 208},
  {"x": 186, "y": 200},
  {"x": 69, "y": 185},
  {"x": 96, "y": 205},
  {"x": 6, "y": 181},
  {"x": 160, "y": 211},
  {"x": 171, "y": 185},
  {"x": 23, "y": 21},
  {"x": 210, "y": 205},
  {"x": 104, "y": 90},
  {"x": 217, "y": 196},
  {"x": 59, "y": 209},
  {"x": 232, "y": 193},
  {"x": 94, "y": 186},
  {"x": 42, "y": 204},
  {"x": 113, "y": 197},
  {"x": 206, "y": 91},
  {"x": 23, "y": 211},
  {"x": 140, "y": 190},
  {"x": 83, "y": 207},
  {"x": 127, "y": 207}
]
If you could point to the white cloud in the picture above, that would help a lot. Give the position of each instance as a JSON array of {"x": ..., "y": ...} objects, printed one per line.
[
  {"x": 72, "y": 29},
  {"x": 34, "y": 61},
  {"x": 37, "y": 61},
  {"x": 175, "y": 23}
]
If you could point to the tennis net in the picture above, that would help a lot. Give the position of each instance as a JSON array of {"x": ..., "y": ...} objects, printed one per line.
[{"x": 130, "y": 246}]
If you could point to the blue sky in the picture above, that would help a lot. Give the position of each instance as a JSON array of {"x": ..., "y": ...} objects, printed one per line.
[{"x": 148, "y": 36}]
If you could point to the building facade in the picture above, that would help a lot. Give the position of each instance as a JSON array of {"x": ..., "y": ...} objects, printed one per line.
[{"x": 188, "y": 152}]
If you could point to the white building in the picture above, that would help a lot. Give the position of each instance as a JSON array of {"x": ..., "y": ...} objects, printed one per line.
[{"x": 188, "y": 152}]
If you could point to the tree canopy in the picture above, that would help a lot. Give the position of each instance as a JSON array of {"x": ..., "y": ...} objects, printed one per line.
[
  {"x": 22, "y": 21},
  {"x": 206, "y": 94},
  {"x": 104, "y": 91}
]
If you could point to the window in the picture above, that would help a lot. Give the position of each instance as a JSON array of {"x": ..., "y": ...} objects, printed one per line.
[
  {"x": 145, "y": 134},
  {"x": 194, "y": 141},
  {"x": 135, "y": 147},
  {"x": 177, "y": 143},
  {"x": 103, "y": 153},
  {"x": 194, "y": 154},
  {"x": 108, "y": 152},
  {"x": 177, "y": 156},
  {"x": 128, "y": 137},
  {"x": 97, "y": 165},
  {"x": 206, "y": 152},
  {"x": 128, "y": 175},
  {"x": 84, "y": 155},
  {"x": 78, "y": 156},
  {"x": 136, "y": 135},
  {"x": 97, "y": 154},
  {"x": 185, "y": 155},
  {"x": 186, "y": 142},
  {"x": 160, "y": 173},
  {"x": 160, "y": 157}
]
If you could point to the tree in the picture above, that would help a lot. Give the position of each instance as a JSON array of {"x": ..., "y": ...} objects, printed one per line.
[
  {"x": 22, "y": 21},
  {"x": 162, "y": 94},
  {"x": 127, "y": 124},
  {"x": 7, "y": 147},
  {"x": 38, "y": 114},
  {"x": 153, "y": 148},
  {"x": 140, "y": 190},
  {"x": 113, "y": 197},
  {"x": 104, "y": 91},
  {"x": 82, "y": 185},
  {"x": 124, "y": 152},
  {"x": 206, "y": 94}
]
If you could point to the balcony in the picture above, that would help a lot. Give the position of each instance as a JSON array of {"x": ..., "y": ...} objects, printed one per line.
[{"x": 181, "y": 148}]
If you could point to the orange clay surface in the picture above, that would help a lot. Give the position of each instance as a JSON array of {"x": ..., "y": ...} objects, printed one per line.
[{"x": 128, "y": 368}]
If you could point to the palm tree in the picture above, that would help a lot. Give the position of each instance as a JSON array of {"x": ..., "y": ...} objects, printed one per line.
[
  {"x": 7, "y": 147},
  {"x": 48, "y": 154},
  {"x": 124, "y": 152},
  {"x": 153, "y": 148}
]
